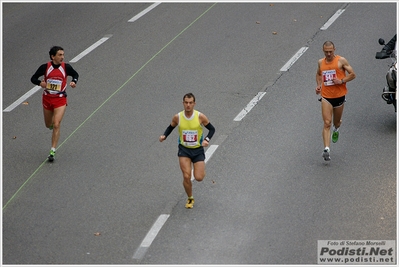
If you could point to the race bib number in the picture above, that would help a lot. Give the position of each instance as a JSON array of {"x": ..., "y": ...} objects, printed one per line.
[
  {"x": 328, "y": 76},
  {"x": 190, "y": 137},
  {"x": 54, "y": 85}
]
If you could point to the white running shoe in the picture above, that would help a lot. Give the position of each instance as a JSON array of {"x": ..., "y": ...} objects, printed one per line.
[{"x": 326, "y": 154}]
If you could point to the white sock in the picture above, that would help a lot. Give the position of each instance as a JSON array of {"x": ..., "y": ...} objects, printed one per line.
[
  {"x": 327, "y": 148},
  {"x": 53, "y": 148}
]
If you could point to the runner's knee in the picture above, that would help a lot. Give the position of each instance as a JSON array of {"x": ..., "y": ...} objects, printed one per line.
[
  {"x": 57, "y": 125},
  {"x": 199, "y": 176},
  {"x": 327, "y": 124},
  {"x": 186, "y": 176}
]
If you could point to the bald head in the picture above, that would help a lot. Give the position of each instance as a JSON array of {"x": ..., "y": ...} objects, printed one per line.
[{"x": 328, "y": 43}]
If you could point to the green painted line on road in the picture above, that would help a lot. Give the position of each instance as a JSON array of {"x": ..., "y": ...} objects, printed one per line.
[{"x": 95, "y": 111}]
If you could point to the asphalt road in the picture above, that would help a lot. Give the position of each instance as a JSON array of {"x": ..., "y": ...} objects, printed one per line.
[{"x": 268, "y": 196}]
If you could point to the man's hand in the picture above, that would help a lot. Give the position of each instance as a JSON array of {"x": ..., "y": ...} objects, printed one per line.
[
  {"x": 162, "y": 138},
  {"x": 205, "y": 143},
  {"x": 43, "y": 84},
  {"x": 337, "y": 81},
  {"x": 318, "y": 90}
]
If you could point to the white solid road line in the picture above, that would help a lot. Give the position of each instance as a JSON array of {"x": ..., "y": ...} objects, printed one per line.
[
  {"x": 142, "y": 13},
  {"x": 141, "y": 251},
  {"x": 91, "y": 48},
  {"x": 75, "y": 59},
  {"x": 22, "y": 98},
  {"x": 301, "y": 51},
  {"x": 294, "y": 58},
  {"x": 332, "y": 19},
  {"x": 208, "y": 154},
  {"x": 153, "y": 232},
  {"x": 147, "y": 241},
  {"x": 250, "y": 105}
]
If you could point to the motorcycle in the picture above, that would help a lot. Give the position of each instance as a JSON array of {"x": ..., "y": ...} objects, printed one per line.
[{"x": 389, "y": 91}]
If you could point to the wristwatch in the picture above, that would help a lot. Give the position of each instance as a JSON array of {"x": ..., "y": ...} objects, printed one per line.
[
  {"x": 207, "y": 139},
  {"x": 342, "y": 80}
]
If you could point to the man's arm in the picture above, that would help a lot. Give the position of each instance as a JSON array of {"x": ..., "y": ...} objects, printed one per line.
[
  {"x": 211, "y": 129},
  {"x": 169, "y": 129},
  {"x": 72, "y": 72},
  {"x": 319, "y": 78},
  {"x": 348, "y": 68},
  {"x": 40, "y": 72}
]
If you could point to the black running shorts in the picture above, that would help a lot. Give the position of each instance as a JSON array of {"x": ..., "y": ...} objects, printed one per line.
[
  {"x": 195, "y": 154},
  {"x": 336, "y": 102}
]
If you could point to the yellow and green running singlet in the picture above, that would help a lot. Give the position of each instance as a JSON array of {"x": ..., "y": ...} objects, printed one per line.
[{"x": 190, "y": 130}]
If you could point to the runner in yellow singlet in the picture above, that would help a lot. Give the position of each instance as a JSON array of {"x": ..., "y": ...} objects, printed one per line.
[{"x": 191, "y": 143}]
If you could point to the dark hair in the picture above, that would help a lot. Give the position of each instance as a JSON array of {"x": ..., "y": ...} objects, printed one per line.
[
  {"x": 328, "y": 43},
  {"x": 189, "y": 95},
  {"x": 53, "y": 51}
]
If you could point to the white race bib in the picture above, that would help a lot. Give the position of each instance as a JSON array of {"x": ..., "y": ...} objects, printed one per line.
[
  {"x": 190, "y": 137},
  {"x": 328, "y": 76}
]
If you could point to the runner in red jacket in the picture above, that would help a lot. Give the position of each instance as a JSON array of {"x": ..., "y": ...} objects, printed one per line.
[{"x": 54, "y": 97}]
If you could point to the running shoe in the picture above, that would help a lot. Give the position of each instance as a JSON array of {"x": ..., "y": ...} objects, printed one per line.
[
  {"x": 51, "y": 155},
  {"x": 326, "y": 154},
  {"x": 335, "y": 135},
  {"x": 51, "y": 127},
  {"x": 190, "y": 203}
]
